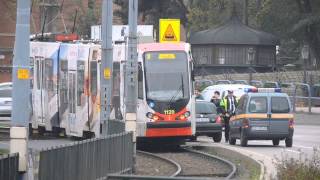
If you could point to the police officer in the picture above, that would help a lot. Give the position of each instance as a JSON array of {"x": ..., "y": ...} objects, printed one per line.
[{"x": 229, "y": 104}]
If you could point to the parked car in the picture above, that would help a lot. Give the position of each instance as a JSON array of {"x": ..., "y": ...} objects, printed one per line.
[
  {"x": 5, "y": 103},
  {"x": 263, "y": 116},
  {"x": 6, "y": 85},
  {"x": 238, "y": 90},
  {"x": 208, "y": 122}
]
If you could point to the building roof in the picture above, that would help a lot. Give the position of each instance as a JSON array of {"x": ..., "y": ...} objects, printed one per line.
[{"x": 233, "y": 32}]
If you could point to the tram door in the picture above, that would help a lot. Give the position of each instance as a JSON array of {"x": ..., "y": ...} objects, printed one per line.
[
  {"x": 94, "y": 92},
  {"x": 39, "y": 89},
  {"x": 72, "y": 100}
]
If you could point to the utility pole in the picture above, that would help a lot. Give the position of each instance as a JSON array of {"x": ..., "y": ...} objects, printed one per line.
[
  {"x": 251, "y": 61},
  {"x": 131, "y": 93},
  {"x": 21, "y": 87},
  {"x": 245, "y": 12},
  {"x": 106, "y": 65}
]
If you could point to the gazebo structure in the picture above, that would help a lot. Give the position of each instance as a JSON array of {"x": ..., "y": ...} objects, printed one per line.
[{"x": 233, "y": 47}]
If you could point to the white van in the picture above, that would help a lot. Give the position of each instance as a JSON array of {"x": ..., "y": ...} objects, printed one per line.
[{"x": 238, "y": 90}]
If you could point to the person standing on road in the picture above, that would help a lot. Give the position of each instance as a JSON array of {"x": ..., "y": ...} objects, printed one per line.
[
  {"x": 198, "y": 94},
  {"x": 229, "y": 104},
  {"x": 216, "y": 101}
]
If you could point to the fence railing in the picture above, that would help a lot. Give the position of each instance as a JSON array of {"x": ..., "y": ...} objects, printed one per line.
[
  {"x": 305, "y": 104},
  {"x": 9, "y": 165},
  {"x": 116, "y": 126},
  {"x": 88, "y": 160}
]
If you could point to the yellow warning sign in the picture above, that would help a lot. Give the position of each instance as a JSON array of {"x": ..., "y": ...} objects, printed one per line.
[
  {"x": 169, "y": 30},
  {"x": 23, "y": 73},
  {"x": 107, "y": 73}
]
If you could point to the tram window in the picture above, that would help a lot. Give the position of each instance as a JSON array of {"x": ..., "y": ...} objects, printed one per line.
[
  {"x": 48, "y": 76},
  {"x": 63, "y": 85},
  {"x": 31, "y": 72},
  {"x": 80, "y": 88},
  {"x": 140, "y": 81},
  {"x": 38, "y": 73},
  {"x": 93, "y": 77},
  {"x": 116, "y": 79},
  {"x": 72, "y": 107}
]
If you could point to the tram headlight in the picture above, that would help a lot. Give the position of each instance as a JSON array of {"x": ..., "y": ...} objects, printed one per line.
[
  {"x": 155, "y": 117},
  {"x": 149, "y": 115},
  {"x": 187, "y": 114},
  {"x": 182, "y": 117}
]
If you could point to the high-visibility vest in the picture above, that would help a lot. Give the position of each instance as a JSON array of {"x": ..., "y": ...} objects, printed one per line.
[{"x": 224, "y": 103}]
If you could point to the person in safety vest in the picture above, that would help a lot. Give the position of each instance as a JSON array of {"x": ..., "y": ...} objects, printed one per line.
[{"x": 229, "y": 104}]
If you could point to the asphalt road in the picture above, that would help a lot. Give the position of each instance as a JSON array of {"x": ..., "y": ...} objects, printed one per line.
[{"x": 306, "y": 141}]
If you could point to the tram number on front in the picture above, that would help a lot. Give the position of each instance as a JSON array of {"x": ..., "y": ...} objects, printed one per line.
[{"x": 169, "y": 111}]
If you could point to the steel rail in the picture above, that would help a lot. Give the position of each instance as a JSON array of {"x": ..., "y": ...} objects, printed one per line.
[
  {"x": 229, "y": 163},
  {"x": 173, "y": 177},
  {"x": 165, "y": 159}
]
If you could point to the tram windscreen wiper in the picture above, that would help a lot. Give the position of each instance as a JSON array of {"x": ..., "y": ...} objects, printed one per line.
[{"x": 177, "y": 92}]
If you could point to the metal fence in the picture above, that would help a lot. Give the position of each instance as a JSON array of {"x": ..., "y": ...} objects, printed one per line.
[
  {"x": 9, "y": 166},
  {"x": 116, "y": 126},
  {"x": 89, "y": 159}
]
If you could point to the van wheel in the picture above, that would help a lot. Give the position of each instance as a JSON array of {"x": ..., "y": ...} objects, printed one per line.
[
  {"x": 232, "y": 141},
  {"x": 217, "y": 137},
  {"x": 289, "y": 142},
  {"x": 276, "y": 142},
  {"x": 243, "y": 140}
]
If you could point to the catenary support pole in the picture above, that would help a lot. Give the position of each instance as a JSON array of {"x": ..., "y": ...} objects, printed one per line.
[
  {"x": 131, "y": 93},
  {"x": 106, "y": 65},
  {"x": 21, "y": 87}
]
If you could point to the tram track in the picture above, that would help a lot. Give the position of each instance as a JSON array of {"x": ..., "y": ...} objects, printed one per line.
[{"x": 188, "y": 163}]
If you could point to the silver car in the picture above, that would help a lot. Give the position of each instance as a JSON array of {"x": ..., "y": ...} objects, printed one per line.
[{"x": 5, "y": 103}]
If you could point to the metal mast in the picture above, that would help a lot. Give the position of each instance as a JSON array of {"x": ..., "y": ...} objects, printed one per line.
[
  {"x": 106, "y": 64},
  {"x": 131, "y": 75},
  {"x": 21, "y": 93}
]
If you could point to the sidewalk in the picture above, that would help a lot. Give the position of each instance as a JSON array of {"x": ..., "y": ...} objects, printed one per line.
[
  {"x": 307, "y": 119},
  {"x": 315, "y": 110}
]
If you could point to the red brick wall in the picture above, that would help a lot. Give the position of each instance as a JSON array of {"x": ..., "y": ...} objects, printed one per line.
[{"x": 7, "y": 29}]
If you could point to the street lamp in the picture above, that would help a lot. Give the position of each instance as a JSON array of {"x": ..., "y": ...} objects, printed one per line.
[
  {"x": 250, "y": 58},
  {"x": 305, "y": 56}
]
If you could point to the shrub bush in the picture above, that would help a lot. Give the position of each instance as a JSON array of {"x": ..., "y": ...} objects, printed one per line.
[{"x": 301, "y": 168}]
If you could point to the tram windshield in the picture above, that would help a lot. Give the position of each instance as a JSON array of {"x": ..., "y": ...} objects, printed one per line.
[{"x": 166, "y": 75}]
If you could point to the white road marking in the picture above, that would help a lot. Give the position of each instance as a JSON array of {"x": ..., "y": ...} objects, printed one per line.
[
  {"x": 306, "y": 147},
  {"x": 293, "y": 151}
]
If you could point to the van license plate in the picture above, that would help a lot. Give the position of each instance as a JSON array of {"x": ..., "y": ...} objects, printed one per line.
[{"x": 259, "y": 128}]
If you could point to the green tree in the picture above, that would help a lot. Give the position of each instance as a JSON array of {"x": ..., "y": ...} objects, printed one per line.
[
  {"x": 87, "y": 18},
  {"x": 151, "y": 11},
  {"x": 296, "y": 23}
]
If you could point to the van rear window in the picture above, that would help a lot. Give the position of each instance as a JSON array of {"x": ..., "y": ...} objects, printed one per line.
[
  {"x": 279, "y": 105},
  {"x": 258, "y": 105}
]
